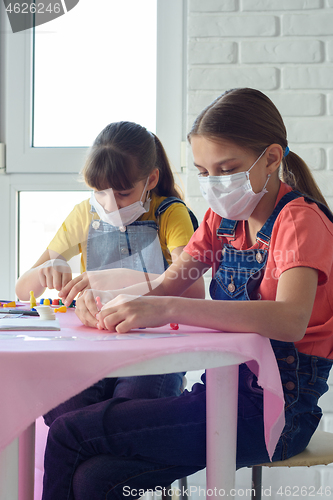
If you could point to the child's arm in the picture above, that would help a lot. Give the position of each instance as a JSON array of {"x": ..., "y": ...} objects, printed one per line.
[
  {"x": 117, "y": 279},
  {"x": 284, "y": 319},
  {"x": 176, "y": 280},
  {"x": 50, "y": 271}
]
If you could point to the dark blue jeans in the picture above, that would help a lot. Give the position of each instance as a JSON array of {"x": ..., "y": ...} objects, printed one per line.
[
  {"x": 143, "y": 387},
  {"x": 116, "y": 448}
]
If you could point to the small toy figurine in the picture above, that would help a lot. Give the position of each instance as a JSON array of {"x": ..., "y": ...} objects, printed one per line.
[
  {"x": 33, "y": 302},
  {"x": 174, "y": 326},
  {"x": 47, "y": 302},
  {"x": 73, "y": 303},
  {"x": 61, "y": 309},
  {"x": 55, "y": 302},
  {"x": 9, "y": 304}
]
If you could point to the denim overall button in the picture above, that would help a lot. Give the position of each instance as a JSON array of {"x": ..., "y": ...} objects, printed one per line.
[
  {"x": 231, "y": 287},
  {"x": 124, "y": 251},
  {"x": 290, "y": 360},
  {"x": 259, "y": 258},
  {"x": 95, "y": 224},
  {"x": 290, "y": 386},
  {"x": 122, "y": 229}
]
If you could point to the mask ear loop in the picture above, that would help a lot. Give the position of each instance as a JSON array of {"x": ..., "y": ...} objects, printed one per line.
[
  {"x": 248, "y": 171},
  {"x": 248, "y": 174},
  {"x": 143, "y": 202}
]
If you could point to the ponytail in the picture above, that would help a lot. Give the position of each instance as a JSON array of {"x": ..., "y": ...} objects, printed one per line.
[
  {"x": 166, "y": 183},
  {"x": 296, "y": 173}
]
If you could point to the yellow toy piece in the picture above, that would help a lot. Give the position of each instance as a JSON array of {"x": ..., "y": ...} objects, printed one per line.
[
  {"x": 46, "y": 302},
  {"x": 33, "y": 302},
  {"x": 9, "y": 304},
  {"x": 61, "y": 309}
]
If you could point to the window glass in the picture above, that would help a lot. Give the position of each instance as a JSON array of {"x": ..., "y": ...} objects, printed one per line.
[
  {"x": 92, "y": 66},
  {"x": 41, "y": 213}
]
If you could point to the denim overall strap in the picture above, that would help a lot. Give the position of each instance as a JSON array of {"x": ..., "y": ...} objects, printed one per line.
[
  {"x": 264, "y": 234},
  {"x": 227, "y": 228},
  {"x": 241, "y": 271},
  {"x": 165, "y": 204},
  {"x": 137, "y": 247}
]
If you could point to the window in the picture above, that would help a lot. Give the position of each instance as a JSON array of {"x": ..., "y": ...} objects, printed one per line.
[
  {"x": 88, "y": 74},
  {"x": 60, "y": 77},
  {"x": 36, "y": 218}
]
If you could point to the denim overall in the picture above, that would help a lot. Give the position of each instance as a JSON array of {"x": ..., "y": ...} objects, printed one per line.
[
  {"x": 137, "y": 247},
  {"x": 304, "y": 377}
]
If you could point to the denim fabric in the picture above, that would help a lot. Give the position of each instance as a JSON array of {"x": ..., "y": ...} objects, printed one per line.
[
  {"x": 304, "y": 380},
  {"x": 143, "y": 387},
  {"x": 138, "y": 247}
]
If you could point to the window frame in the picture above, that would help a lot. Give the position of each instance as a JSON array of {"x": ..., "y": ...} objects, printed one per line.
[{"x": 170, "y": 119}]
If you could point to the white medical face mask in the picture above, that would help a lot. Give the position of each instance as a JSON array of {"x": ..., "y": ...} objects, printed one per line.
[
  {"x": 231, "y": 196},
  {"x": 123, "y": 216}
]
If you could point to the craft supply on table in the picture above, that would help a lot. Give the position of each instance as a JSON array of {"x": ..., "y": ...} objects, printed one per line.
[
  {"x": 33, "y": 302},
  {"x": 23, "y": 312},
  {"x": 99, "y": 303},
  {"x": 9, "y": 304},
  {"x": 45, "y": 312},
  {"x": 61, "y": 309}
]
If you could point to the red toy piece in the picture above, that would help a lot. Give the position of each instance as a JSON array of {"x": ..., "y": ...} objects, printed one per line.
[
  {"x": 174, "y": 326},
  {"x": 99, "y": 303}
]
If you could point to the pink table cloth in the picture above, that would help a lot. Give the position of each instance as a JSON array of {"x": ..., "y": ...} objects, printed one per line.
[{"x": 41, "y": 369}]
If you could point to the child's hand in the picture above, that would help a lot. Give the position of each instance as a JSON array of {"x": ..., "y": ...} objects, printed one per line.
[
  {"x": 107, "y": 279},
  {"x": 127, "y": 312},
  {"x": 55, "y": 273},
  {"x": 75, "y": 286},
  {"x": 86, "y": 308}
]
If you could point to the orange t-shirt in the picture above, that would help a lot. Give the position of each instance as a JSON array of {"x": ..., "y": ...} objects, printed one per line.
[{"x": 302, "y": 236}]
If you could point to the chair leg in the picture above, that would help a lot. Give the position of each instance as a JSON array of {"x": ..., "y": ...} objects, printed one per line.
[
  {"x": 256, "y": 482},
  {"x": 165, "y": 494},
  {"x": 183, "y": 487}
]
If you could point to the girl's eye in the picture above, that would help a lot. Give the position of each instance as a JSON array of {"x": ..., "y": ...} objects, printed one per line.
[
  {"x": 123, "y": 195},
  {"x": 203, "y": 174}
]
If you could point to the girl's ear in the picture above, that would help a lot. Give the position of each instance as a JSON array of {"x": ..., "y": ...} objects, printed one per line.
[
  {"x": 274, "y": 155},
  {"x": 153, "y": 179}
]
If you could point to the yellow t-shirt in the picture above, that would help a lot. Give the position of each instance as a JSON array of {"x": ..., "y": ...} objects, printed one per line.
[{"x": 175, "y": 229}]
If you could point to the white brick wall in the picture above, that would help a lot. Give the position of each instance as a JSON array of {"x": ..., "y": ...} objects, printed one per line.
[
  {"x": 282, "y": 47},
  {"x": 285, "y": 49}
]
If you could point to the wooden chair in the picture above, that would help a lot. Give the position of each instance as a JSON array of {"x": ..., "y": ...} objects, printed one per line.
[{"x": 318, "y": 452}]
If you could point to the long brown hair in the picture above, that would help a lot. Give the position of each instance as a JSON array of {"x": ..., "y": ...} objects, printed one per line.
[
  {"x": 248, "y": 118},
  {"x": 125, "y": 153}
]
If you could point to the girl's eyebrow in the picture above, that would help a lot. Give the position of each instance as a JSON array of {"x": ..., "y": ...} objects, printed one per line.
[{"x": 222, "y": 162}]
